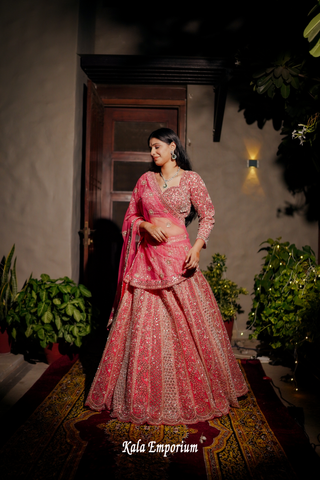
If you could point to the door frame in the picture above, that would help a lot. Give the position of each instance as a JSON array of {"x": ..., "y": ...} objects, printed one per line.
[
  {"x": 147, "y": 96},
  {"x": 101, "y": 97},
  {"x": 138, "y": 96},
  {"x": 145, "y": 70}
]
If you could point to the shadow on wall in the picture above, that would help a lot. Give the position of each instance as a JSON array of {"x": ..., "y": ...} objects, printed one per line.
[
  {"x": 102, "y": 267},
  {"x": 102, "y": 276}
]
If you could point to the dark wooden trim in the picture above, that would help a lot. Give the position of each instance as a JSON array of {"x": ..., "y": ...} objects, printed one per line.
[
  {"x": 220, "y": 99},
  {"x": 150, "y": 95},
  {"x": 132, "y": 70},
  {"x": 110, "y": 102},
  {"x": 145, "y": 70},
  {"x": 147, "y": 92}
]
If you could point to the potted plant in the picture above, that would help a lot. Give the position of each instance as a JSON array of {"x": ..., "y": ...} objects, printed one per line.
[
  {"x": 8, "y": 293},
  {"x": 286, "y": 303},
  {"x": 225, "y": 291},
  {"x": 50, "y": 312}
]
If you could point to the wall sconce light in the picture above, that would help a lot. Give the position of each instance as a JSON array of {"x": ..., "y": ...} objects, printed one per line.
[{"x": 253, "y": 163}]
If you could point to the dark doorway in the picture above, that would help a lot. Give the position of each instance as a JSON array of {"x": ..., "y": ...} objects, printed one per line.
[{"x": 119, "y": 121}]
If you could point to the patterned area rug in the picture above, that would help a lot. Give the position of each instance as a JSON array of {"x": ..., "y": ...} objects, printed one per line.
[{"x": 61, "y": 439}]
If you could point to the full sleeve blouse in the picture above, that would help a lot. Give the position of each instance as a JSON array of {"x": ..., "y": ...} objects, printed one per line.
[
  {"x": 200, "y": 199},
  {"x": 191, "y": 191}
]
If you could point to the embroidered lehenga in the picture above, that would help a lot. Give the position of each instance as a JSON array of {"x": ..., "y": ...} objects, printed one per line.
[{"x": 168, "y": 359}]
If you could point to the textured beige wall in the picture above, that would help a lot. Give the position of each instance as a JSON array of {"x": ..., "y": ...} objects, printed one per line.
[
  {"x": 113, "y": 38},
  {"x": 39, "y": 181},
  {"x": 246, "y": 207},
  {"x": 42, "y": 89}
]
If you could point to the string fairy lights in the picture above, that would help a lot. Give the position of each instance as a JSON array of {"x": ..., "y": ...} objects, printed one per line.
[{"x": 283, "y": 290}]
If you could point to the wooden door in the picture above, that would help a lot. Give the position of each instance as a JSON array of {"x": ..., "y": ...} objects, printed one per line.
[
  {"x": 119, "y": 121},
  {"x": 126, "y": 153},
  {"x": 93, "y": 171}
]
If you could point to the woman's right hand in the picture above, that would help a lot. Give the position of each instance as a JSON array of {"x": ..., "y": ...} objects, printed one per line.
[{"x": 157, "y": 233}]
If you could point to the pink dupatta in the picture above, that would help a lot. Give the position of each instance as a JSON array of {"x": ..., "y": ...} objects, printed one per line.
[{"x": 148, "y": 264}]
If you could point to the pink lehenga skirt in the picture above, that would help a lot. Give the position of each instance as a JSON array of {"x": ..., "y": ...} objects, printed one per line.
[{"x": 168, "y": 359}]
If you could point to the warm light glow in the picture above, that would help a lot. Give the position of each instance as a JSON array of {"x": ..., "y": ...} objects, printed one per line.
[
  {"x": 251, "y": 185},
  {"x": 253, "y": 148}
]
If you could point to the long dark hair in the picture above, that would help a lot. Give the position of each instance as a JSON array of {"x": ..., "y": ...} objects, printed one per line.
[{"x": 168, "y": 136}]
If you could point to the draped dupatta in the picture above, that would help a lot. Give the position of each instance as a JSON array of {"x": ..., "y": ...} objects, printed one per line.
[{"x": 146, "y": 263}]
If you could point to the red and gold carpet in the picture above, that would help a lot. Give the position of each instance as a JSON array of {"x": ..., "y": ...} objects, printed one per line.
[{"x": 56, "y": 437}]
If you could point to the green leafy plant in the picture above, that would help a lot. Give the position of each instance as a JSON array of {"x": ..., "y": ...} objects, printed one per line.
[
  {"x": 225, "y": 291},
  {"x": 8, "y": 286},
  {"x": 312, "y": 32},
  {"x": 47, "y": 310},
  {"x": 282, "y": 75},
  {"x": 286, "y": 303}
]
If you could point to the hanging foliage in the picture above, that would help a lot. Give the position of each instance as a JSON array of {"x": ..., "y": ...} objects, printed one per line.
[
  {"x": 312, "y": 32},
  {"x": 286, "y": 302}
]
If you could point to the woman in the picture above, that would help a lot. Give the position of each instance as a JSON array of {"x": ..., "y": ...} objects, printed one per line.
[{"x": 168, "y": 359}]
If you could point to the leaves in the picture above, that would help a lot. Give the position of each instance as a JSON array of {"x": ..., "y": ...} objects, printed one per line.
[
  {"x": 286, "y": 295},
  {"x": 225, "y": 291},
  {"x": 45, "y": 278},
  {"x": 70, "y": 309},
  {"x": 285, "y": 90},
  {"x": 312, "y": 27},
  {"x": 41, "y": 333},
  {"x": 64, "y": 288},
  {"x": 47, "y": 317},
  {"x": 84, "y": 291},
  {"x": 57, "y": 321},
  {"x": 49, "y": 310},
  {"x": 77, "y": 315},
  {"x": 42, "y": 307},
  {"x": 8, "y": 284},
  {"x": 277, "y": 77},
  {"x": 315, "y": 51}
]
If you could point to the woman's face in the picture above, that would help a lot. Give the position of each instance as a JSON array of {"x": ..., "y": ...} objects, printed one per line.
[{"x": 161, "y": 151}]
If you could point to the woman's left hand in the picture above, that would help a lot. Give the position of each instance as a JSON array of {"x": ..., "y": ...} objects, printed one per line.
[
  {"x": 193, "y": 256},
  {"x": 192, "y": 259}
]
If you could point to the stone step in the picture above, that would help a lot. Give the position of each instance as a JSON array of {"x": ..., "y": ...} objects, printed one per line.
[{"x": 8, "y": 363}]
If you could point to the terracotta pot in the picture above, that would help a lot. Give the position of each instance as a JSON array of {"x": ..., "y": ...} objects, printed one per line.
[
  {"x": 5, "y": 343},
  {"x": 229, "y": 328},
  {"x": 52, "y": 353}
]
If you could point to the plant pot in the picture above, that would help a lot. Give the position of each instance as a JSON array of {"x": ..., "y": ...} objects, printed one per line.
[
  {"x": 5, "y": 343},
  {"x": 229, "y": 327},
  {"x": 52, "y": 353}
]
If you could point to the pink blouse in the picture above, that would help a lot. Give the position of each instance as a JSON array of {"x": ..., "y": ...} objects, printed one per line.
[
  {"x": 154, "y": 265},
  {"x": 191, "y": 190}
]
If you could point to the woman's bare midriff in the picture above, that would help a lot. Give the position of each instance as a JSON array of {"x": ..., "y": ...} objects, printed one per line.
[{"x": 168, "y": 226}]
